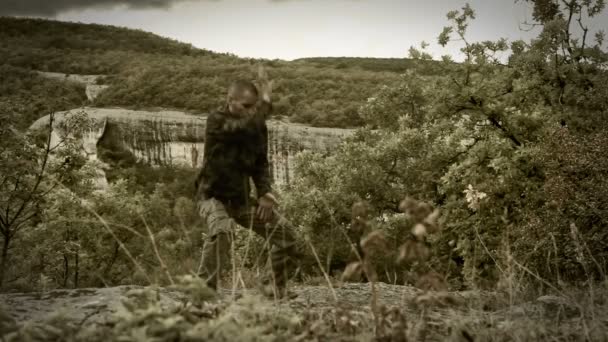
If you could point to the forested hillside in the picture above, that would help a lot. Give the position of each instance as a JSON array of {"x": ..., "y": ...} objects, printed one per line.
[{"x": 147, "y": 71}]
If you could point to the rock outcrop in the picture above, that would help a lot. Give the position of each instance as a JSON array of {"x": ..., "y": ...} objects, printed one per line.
[
  {"x": 89, "y": 81},
  {"x": 98, "y": 305},
  {"x": 164, "y": 138},
  {"x": 344, "y": 312}
]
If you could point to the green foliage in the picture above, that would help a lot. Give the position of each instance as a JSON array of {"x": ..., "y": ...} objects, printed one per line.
[
  {"x": 25, "y": 96},
  {"x": 70, "y": 235},
  {"x": 393, "y": 65},
  {"x": 112, "y": 237},
  {"x": 68, "y": 47},
  {"x": 575, "y": 208},
  {"x": 321, "y": 97},
  {"x": 32, "y": 168},
  {"x": 147, "y": 71},
  {"x": 479, "y": 143}
]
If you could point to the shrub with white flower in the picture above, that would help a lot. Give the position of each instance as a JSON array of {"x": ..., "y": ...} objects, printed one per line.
[{"x": 474, "y": 197}]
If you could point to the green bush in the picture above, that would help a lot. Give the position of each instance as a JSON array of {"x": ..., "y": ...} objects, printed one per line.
[{"x": 481, "y": 144}]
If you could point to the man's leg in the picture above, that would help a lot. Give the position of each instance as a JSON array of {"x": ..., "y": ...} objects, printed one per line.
[
  {"x": 216, "y": 249},
  {"x": 280, "y": 235}
]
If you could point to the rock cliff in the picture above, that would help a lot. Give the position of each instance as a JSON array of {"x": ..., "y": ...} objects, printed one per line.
[{"x": 177, "y": 138}]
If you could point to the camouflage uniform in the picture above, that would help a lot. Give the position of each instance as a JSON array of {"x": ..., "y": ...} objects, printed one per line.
[{"x": 232, "y": 155}]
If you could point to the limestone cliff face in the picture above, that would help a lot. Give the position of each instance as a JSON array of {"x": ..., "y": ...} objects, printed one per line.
[
  {"x": 177, "y": 138},
  {"x": 285, "y": 140}
]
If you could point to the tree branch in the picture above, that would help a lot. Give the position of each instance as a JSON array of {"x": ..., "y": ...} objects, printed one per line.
[
  {"x": 570, "y": 6},
  {"x": 585, "y": 30},
  {"x": 508, "y": 134},
  {"x": 55, "y": 184},
  {"x": 10, "y": 198},
  {"x": 4, "y": 180},
  {"x": 457, "y": 155},
  {"x": 17, "y": 225},
  {"x": 40, "y": 175},
  {"x": 6, "y": 215},
  {"x": 3, "y": 227},
  {"x": 390, "y": 171},
  {"x": 491, "y": 118}
]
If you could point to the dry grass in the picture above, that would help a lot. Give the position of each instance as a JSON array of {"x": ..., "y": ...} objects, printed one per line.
[{"x": 340, "y": 311}]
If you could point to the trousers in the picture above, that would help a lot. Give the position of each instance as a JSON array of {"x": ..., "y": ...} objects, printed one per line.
[{"x": 222, "y": 221}]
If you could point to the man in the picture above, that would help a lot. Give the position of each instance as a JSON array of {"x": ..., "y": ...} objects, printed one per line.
[{"x": 236, "y": 149}]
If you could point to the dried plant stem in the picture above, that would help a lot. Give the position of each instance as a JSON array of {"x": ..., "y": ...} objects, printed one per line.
[
  {"x": 107, "y": 227},
  {"x": 233, "y": 266},
  {"x": 248, "y": 243},
  {"x": 314, "y": 252},
  {"x": 333, "y": 219},
  {"x": 579, "y": 240},
  {"x": 580, "y": 245},
  {"x": 374, "y": 304},
  {"x": 246, "y": 256},
  {"x": 559, "y": 280},
  {"x": 113, "y": 224},
  {"x": 488, "y": 252},
  {"x": 163, "y": 266},
  {"x": 527, "y": 270},
  {"x": 124, "y": 248}
]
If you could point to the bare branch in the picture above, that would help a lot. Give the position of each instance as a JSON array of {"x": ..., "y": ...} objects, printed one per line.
[
  {"x": 10, "y": 198},
  {"x": 507, "y": 133},
  {"x": 55, "y": 184},
  {"x": 6, "y": 214},
  {"x": 571, "y": 6},
  {"x": 40, "y": 175},
  {"x": 3, "y": 226},
  {"x": 110, "y": 224},
  {"x": 113, "y": 259},
  {"x": 4, "y": 181},
  {"x": 17, "y": 225},
  {"x": 455, "y": 81},
  {"x": 465, "y": 151},
  {"x": 585, "y": 30},
  {"x": 61, "y": 142},
  {"x": 163, "y": 265},
  {"x": 492, "y": 118}
]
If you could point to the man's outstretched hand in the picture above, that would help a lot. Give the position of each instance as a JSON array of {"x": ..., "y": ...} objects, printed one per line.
[
  {"x": 266, "y": 204},
  {"x": 264, "y": 83}
]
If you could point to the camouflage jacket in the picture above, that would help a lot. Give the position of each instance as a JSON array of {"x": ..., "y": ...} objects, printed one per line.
[{"x": 233, "y": 153}]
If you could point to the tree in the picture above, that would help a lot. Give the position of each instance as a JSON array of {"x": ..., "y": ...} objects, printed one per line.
[
  {"x": 31, "y": 167},
  {"x": 473, "y": 142}
]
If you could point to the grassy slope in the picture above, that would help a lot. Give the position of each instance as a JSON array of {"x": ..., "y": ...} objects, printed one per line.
[{"x": 25, "y": 96}]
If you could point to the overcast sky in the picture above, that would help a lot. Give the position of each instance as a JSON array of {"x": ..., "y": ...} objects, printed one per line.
[{"x": 289, "y": 29}]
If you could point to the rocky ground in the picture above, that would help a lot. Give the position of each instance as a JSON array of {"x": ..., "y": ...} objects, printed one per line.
[
  {"x": 317, "y": 313},
  {"x": 96, "y": 305}
]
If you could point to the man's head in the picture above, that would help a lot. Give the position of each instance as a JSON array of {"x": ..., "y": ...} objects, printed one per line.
[{"x": 242, "y": 99}]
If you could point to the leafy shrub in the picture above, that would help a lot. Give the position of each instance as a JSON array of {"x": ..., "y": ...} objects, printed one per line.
[{"x": 481, "y": 144}]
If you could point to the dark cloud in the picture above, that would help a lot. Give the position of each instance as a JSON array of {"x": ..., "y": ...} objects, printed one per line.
[{"x": 53, "y": 7}]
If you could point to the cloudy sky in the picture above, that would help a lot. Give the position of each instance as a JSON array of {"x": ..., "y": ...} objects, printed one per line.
[{"x": 289, "y": 29}]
